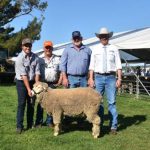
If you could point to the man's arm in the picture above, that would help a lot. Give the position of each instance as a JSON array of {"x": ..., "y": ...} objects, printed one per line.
[
  {"x": 37, "y": 78},
  {"x": 27, "y": 85},
  {"x": 91, "y": 79},
  {"x": 63, "y": 67},
  {"x": 37, "y": 71},
  {"x": 119, "y": 79},
  {"x": 65, "y": 81}
]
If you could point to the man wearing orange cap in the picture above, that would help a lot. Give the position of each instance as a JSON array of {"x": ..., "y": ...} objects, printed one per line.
[{"x": 49, "y": 68}]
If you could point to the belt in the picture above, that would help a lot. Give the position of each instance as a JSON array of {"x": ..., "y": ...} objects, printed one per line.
[
  {"x": 106, "y": 74},
  {"x": 75, "y": 75},
  {"x": 51, "y": 82},
  {"x": 32, "y": 81}
]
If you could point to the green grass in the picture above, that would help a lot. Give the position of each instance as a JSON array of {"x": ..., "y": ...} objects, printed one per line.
[{"x": 133, "y": 134}]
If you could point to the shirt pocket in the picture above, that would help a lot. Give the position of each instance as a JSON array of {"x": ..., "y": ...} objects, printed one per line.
[
  {"x": 98, "y": 59},
  {"x": 85, "y": 56},
  {"x": 111, "y": 56},
  {"x": 33, "y": 65},
  {"x": 27, "y": 66}
]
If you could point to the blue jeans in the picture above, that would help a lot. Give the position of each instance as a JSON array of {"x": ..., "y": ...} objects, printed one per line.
[
  {"x": 24, "y": 98},
  {"x": 49, "y": 120},
  {"x": 108, "y": 84},
  {"x": 77, "y": 81},
  {"x": 74, "y": 82}
]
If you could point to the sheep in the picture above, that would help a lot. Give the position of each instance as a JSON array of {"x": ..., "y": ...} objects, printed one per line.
[{"x": 71, "y": 102}]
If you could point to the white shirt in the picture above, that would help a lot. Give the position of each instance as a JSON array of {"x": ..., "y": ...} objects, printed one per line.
[
  {"x": 111, "y": 59},
  {"x": 50, "y": 68}
]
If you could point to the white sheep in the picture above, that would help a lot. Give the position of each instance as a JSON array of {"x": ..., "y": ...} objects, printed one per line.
[{"x": 71, "y": 102}]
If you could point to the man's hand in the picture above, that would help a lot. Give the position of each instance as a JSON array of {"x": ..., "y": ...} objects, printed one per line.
[
  {"x": 65, "y": 82},
  {"x": 91, "y": 83},
  {"x": 30, "y": 92},
  {"x": 118, "y": 83}
]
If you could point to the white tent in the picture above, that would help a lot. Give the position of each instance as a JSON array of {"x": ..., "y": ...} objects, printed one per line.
[{"x": 134, "y": 45}]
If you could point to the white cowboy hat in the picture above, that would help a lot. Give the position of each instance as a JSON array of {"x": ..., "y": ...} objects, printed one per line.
[{"x": 104, "y": 31}]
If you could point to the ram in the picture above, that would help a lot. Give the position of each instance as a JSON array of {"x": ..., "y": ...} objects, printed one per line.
[{"x": 71, "y": 102}]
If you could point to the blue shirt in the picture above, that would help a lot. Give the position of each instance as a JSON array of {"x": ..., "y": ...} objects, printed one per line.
[
  {"x": 28, "y": 66},
  {"x": 75, "y": 62}
]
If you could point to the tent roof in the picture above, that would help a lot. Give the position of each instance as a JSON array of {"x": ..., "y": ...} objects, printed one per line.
[{"x": 134, "y": 45}]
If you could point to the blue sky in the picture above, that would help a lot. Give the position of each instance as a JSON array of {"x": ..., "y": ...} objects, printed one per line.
[{"x": 62, "y": 17}]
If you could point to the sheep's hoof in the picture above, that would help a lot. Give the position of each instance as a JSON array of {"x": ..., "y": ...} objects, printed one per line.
[
  {"x": 95, "y": 136},
  {"x": 56, "y": 134}
]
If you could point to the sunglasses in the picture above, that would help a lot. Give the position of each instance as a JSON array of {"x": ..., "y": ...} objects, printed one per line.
[
  {"x": 77, "y": 38},
  {"x": 28, "y": 45},
  {"x": 104, "y": 36},
  {"x": 48, "y": 47}
]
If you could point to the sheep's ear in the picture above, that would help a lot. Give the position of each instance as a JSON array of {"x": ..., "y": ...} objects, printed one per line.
[{"x": 45, "y": 86}]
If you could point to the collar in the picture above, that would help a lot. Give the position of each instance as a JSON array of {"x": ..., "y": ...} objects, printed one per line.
[
  {"x": 73, "y": 46},
  {"x": 25, "y": 55},
  {"x": 104, "y": 45}
]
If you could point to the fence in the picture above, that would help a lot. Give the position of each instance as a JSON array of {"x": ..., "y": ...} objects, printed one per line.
[{"x": 135, "y": 86}]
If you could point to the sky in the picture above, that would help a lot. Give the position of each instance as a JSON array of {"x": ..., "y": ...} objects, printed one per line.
[{"x": 62, "y": 17}]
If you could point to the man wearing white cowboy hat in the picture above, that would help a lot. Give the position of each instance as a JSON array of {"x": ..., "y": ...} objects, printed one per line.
[{"x": 105, "y": 64}]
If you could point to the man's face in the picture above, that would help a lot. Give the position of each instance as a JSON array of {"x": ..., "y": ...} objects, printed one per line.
[
  {"x": 77, "y": 41},
  {"x": 104, "y": 38},
  {"x": 48, "y": 50},
  {"x": 27, "y": 48}
]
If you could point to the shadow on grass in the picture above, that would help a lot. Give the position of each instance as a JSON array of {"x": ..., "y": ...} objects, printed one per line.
[
  {"x": 76, "y": 124},
  {"x": 125, "y": 122},
  {"x": 83, "y": 125}
]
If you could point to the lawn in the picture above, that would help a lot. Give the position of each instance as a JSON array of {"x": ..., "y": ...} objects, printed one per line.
[{"x": 133, "y": 130}]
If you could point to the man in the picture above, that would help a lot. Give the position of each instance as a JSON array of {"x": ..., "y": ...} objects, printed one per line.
[
  {"x": 75, "y": 63},
  {"x": 27, "y": 73},
  {"x": 49, "y": 67},
  {"x": 105, "y": 63}
]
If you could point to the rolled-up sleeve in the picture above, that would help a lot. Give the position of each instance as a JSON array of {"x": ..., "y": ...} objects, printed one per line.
[
  {"x": 20, "y": 68},
  {"x": 91, "y": 67},
  {"x": 117, "y": 59},
  {"x": 63, "y": 61}
]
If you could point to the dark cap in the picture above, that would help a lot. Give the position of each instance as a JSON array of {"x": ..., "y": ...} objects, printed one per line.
[
  {"x": 26, "y": 41},
  {"x": 76, "y": 34}
]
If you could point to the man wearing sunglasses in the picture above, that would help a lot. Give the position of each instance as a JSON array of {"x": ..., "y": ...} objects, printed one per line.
[
  {"x": 27, "y": 73},
  {"x": 104, "y": 66},
  {"x": 49, "y": 67}
]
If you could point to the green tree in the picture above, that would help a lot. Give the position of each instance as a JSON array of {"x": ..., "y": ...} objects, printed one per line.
[{"x": 12, "y": 9}]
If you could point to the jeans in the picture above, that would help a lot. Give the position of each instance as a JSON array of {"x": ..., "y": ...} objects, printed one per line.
[
  {"x": 77, "y": 81},
  {"x": 107, "y": 83},
  {"x": 49, "y": 120},
  {"x": 74, "y": 82},
  {"x": 23, "y": 98}
]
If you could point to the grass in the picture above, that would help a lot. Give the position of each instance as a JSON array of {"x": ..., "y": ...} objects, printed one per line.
[{"x": 133, "y": 130}]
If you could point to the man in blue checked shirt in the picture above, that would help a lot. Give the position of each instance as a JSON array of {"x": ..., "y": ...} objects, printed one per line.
[{"x": 75, "y": 62}]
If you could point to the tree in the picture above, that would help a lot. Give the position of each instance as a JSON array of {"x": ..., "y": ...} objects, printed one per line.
[{"x": 12, "y": 9}]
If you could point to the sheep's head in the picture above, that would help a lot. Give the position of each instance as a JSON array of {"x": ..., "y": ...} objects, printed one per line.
[{"x": 39, "y": 88}]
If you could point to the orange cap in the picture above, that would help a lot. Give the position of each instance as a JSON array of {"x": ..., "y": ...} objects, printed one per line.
[{"x": 48, "y": 43}]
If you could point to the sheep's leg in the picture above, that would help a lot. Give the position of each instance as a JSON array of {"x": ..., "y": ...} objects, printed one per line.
[
  {"x": 57, "y": 116},
  {"x": 95, "y": 119},
  {"x": 56, "y": 129}
]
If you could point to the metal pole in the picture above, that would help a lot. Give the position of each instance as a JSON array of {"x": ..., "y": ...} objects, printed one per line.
[{"x": 137, "y": 88}]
